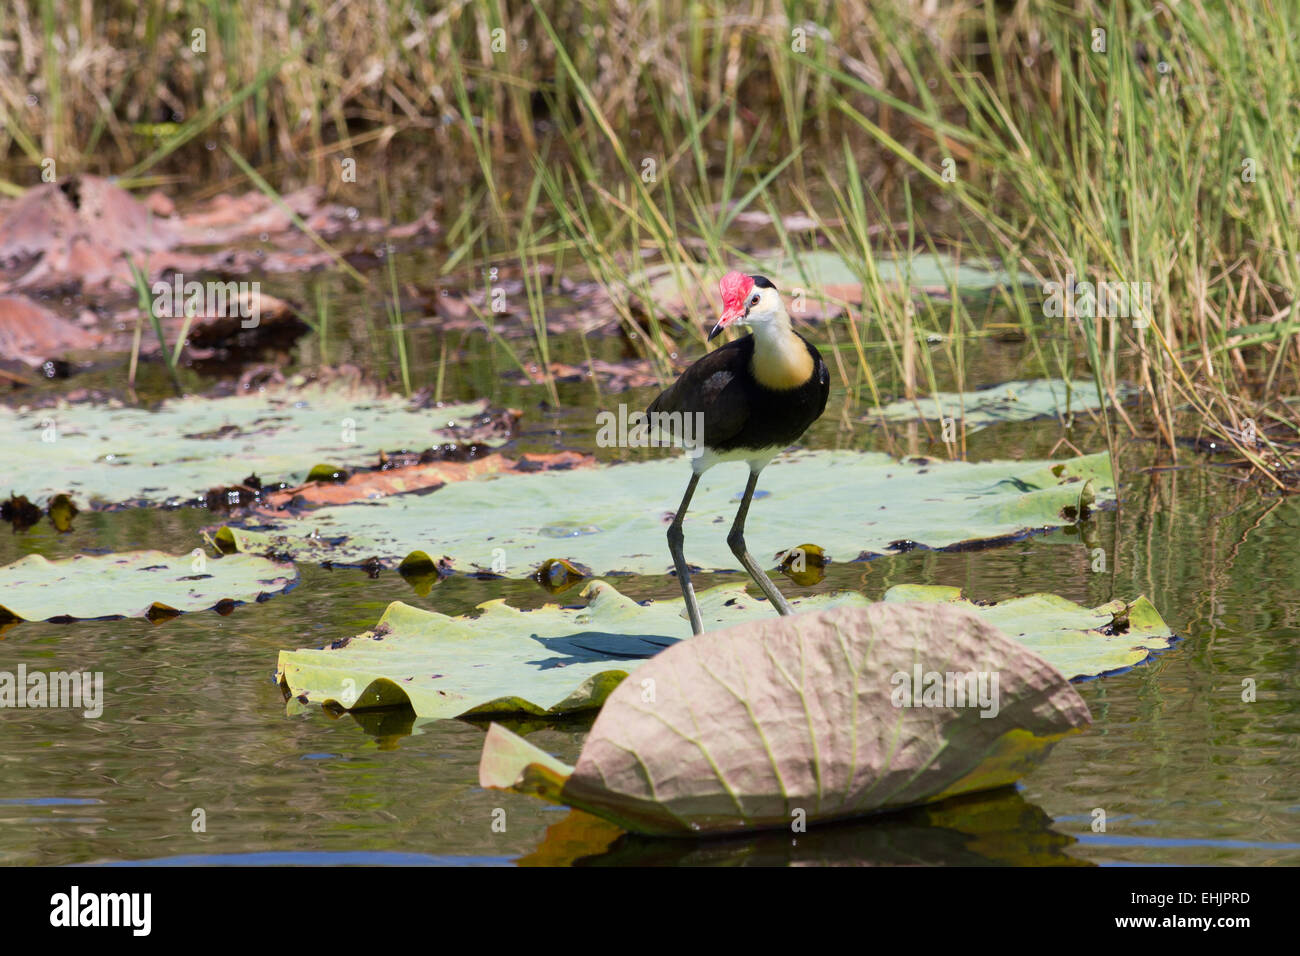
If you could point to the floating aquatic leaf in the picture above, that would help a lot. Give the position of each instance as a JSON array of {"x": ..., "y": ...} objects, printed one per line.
[
  {"x": 805, "y": 565},
  {"x": 558, "y": 575},
  {"x": 420, "y": 478},
  {"x": 557, "y": 660},
  {"x": 78, "y": 232},
  {"x": 825, "y": 278},
  {"x": 326, "y": 473},
  {"x": 62, "y": 511},
  {"x": 1080, "y": 642},
  {"x": 1008, "y": 402},
  {"x": 114, "y": 454},
  {"x": 824, "y": 716},
  {"x": 31, "y": 333},
  {"x": 149, "y": 584},
  {"x": 420, "y": 571},
  {"x": 614, "y": 518}
]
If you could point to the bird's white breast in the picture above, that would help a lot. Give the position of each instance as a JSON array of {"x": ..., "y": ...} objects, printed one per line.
[{"x": 758, "y": 458}]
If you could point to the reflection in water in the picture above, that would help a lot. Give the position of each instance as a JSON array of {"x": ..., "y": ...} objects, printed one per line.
[
  {"x": 388, "y": 725},
  {"x": 557, "y": 575},
  {"x": 995, "y": 828}
]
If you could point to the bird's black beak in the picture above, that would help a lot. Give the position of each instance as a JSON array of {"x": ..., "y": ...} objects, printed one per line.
[{"x": 727, "y": 320}]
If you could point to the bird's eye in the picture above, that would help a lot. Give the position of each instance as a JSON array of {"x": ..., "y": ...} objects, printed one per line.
[{"x": 754, "y": 301}]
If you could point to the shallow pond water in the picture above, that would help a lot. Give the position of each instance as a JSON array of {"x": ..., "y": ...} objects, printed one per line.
[{"x": 1185, "y": 771}]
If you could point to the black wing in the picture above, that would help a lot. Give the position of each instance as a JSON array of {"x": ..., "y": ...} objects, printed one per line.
[{"x": 713, "y": 386}]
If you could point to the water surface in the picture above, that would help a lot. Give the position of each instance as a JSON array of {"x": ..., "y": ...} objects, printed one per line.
[{"x": 1185, "y": 771}]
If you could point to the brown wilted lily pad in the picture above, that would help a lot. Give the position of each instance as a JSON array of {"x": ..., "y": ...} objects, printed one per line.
[
  {"x": 31, "y": 333},
  {"x": 81, "y": 231},
  {"x": 418, "y": 478},
  {"x": 613, "y": 376},
  {"x": 815, "y": 717},
  {"x": 48, "y": 218}
]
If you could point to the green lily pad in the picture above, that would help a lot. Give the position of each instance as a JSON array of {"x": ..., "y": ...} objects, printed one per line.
[
  {"x": 109, "y": 453},
  {"x": 614, "y": 519},
  {"x": 557, "y": 660},
  {"x": 149, "y": 584},
  {"x": 1010, "y": 402},
  {"x": 1069, "y": 635},
  {"x": 795, "y": 720},
  {"x": 825, "y": 277}
]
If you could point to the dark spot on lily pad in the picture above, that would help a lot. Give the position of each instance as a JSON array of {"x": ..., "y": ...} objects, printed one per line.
[
  {"x": 19, "y": 512},
  {"x": 55, "y": 368},
  {"x": 225, "y": 431},
  {"x": 230, "y": 497}
]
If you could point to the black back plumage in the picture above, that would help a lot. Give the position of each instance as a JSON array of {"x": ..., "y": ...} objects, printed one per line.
[{"x": 740, "y": 413}]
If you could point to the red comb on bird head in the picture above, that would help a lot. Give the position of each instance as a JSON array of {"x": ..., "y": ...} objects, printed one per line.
[{"x": 735, "y": 288}]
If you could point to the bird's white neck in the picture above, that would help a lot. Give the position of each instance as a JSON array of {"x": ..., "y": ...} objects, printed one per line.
[{"x": 781, "y": 359}]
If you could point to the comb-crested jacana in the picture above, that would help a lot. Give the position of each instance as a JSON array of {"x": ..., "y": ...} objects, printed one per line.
[{"x": 754, "y": 397}]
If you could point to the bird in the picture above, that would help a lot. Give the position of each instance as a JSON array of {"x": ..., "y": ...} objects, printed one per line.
[{"x": 751, "y": 399}]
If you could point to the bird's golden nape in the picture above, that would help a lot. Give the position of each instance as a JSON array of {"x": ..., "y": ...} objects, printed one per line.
[{"x": 755, "y": 396}]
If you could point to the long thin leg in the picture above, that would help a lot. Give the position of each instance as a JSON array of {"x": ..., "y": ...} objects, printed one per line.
[
  {"x": 737, "y": 541},
  {"x": 675, "y": 539}
]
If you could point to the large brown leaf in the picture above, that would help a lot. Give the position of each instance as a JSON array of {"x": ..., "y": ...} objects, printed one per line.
[
  {"x": 406, "y": 479},
  {"x": 81, "y": 231},
  {"x": 31, "y": 333},
  {"x": 799, "y": 718}
]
